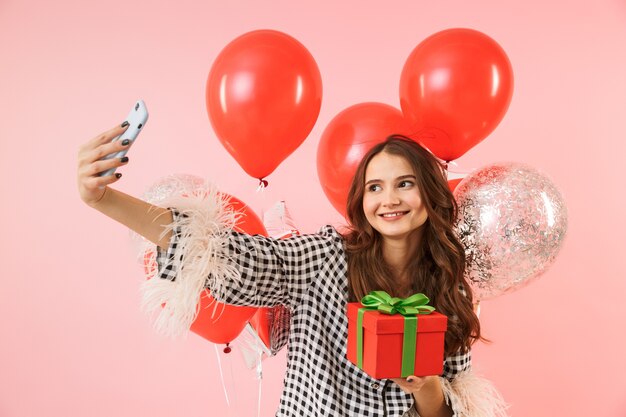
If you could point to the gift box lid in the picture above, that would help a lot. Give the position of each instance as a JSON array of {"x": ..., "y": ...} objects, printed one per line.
[{"x": 381, "y": 323}]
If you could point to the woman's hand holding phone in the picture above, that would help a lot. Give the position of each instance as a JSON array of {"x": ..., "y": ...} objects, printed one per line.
[
  {"x": 91, "y": 185},
  {"x": 100, "y": 157}
]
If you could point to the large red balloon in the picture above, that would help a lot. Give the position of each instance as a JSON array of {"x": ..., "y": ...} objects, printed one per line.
[
  {"x": 455, "y": 87},
  {"x": 346, "y": 139},
  {"x": 453, "y": 183},
  {"x": 263, "y": 96},
  {"x": 219, "y": 322}
]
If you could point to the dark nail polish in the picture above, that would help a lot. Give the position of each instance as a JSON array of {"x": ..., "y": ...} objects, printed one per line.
[
  {"x": 125, "y": 142},
  {"x": 125, "y": 124},
  {"x": 118, "y": 175},
  {"x": 124, "y": 159}
]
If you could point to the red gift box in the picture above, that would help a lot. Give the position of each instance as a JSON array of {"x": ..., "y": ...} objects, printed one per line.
[{"x": 383, "y": 336}]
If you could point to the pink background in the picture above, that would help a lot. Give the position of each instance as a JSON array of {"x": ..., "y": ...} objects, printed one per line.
[{"x": 74, "y": 342}]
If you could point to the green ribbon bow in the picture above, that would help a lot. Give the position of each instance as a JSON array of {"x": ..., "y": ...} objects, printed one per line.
[{"x": 409, "y": 307}]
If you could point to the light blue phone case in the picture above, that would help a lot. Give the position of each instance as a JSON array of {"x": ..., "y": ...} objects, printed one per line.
[{"x": 136, "y": 119}]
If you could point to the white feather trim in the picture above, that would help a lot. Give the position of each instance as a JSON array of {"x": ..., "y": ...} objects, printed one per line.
[
  {"x": 206, "y": 219},
  {"x": 471, "y": 395}
]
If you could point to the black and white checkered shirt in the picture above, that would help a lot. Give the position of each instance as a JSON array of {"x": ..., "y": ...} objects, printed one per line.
[{"x": 309, "y": 275}]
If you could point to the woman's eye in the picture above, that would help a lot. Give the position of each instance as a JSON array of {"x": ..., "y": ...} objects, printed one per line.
[
  {"x": 405, "y": 184},
  {"x": 373, "y": 187}
]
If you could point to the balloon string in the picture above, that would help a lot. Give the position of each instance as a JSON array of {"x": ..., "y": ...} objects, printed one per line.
[
  {"x": 232, "y": 379},
  {"x": 259, "y": 374},
  {"x": 219, "y": 364}
]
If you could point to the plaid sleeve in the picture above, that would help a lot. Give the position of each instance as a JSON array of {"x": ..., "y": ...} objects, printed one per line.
[
  {"x": 279, "y": 315},
  {"x": 165, "y": 256},
  {"x": 273, "y": 271},
  {"x": 456, "y": 364},
  {"x": 267, "y": 272}
]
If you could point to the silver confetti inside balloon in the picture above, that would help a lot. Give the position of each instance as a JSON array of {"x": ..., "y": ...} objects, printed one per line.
[{"x": 512, "y": 222}]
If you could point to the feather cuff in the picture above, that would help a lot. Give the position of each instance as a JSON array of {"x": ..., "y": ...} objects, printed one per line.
[
  {"x": 470, "y": 395},
  {"x": 196, "y": 253}
]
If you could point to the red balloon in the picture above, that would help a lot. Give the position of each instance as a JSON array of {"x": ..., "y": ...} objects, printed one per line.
[
  {"x": 346, "y": 139},
  {"x": 216, "y": 321},
  {"x": 219, "y": 322},
  {"x": 455, "y": 87},
  {"x": 453, "y": 183},
  {"x": 249, "y": 222},
  {"x": 263, "y": 96}
]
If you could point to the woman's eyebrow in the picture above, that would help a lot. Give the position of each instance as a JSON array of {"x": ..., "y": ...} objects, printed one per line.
[
  {"x": 401, "y": 177},
  {"x": 374, "y": 180}
]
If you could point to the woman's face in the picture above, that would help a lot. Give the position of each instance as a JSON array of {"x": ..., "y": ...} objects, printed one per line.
[{"x": 391, "y": 200}]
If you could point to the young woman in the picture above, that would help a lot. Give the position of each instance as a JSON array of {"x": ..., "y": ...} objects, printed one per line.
[{"x": 400, "y": 240}]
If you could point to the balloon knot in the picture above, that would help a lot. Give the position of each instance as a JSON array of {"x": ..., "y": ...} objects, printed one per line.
[
  {"x": 262, "y": 184},
  {"x": 227, "y": 349}
]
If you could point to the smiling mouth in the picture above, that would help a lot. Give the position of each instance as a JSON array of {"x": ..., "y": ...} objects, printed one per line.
[{"x": 394, "y": 214}]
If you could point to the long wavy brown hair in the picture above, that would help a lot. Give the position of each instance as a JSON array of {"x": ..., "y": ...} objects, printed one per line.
[{"x": 439, "y": 261}]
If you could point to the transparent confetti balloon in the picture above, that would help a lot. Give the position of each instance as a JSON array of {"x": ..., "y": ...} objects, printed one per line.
[{"x": 512, "y": 222}]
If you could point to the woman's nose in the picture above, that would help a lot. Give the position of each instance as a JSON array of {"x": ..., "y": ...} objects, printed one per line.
[{"x": 391, "y": 198}]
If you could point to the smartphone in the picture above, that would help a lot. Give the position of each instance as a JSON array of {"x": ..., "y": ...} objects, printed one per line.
[{"x": 136, "y": 119}]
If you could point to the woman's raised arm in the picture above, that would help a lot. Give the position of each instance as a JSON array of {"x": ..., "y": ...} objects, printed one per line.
[{"x": 144, "y": 218}]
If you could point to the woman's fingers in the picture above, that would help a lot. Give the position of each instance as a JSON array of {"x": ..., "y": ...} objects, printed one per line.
[
  {"x": 104, "y": 150},
  {"x": 91, "y": 186},
  {"x": 97, "y": 167},
  {"x": 411, "y": 383},
  {"x": 101, "y": 139},
  {"x": 88, "y": 156},
  {"x": 98, "y": 183},
  {"x": 109, "y": 135}
]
